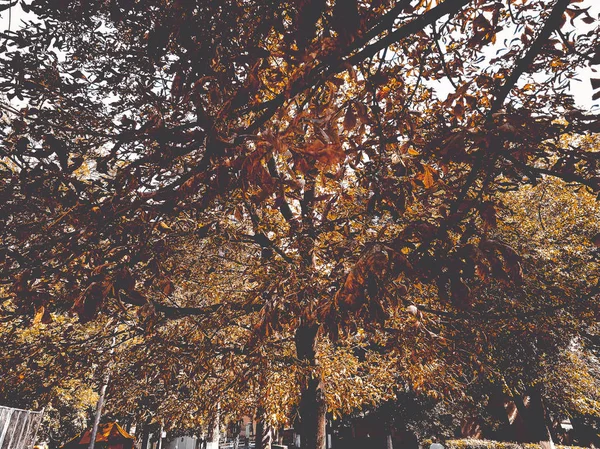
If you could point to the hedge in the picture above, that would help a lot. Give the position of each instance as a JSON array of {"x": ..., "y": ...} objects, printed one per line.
[{"x": 469, "y": 443}]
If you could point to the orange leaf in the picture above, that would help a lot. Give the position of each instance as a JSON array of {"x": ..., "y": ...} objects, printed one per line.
[{"x": 428, "y": 178}]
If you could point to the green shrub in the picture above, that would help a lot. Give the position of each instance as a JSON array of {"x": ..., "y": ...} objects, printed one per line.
[{"x": 469, "y": 443}]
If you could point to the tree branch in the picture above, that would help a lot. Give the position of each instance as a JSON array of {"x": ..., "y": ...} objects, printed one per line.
[{"x": 522, "y": 66}]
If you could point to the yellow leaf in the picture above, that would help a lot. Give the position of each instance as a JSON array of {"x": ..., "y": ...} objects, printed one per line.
[
  {"x": 39, "y": 315},
  {"x": 163, "y": 226}
]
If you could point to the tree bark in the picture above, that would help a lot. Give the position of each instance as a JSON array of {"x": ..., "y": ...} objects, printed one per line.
[
  {"x": 160, "y": 437},
  {"x": 312, "y": 399},
  {"x": 538, "y": 422},
  {"x": 99, "y": 407},
  {"x": 102, "y": 396},
  {"x": 389, "y": 443},
  {"x": 534, "y": 417},
  {"x": 145, "y": 434},
  {"x": 264, "y": 434},
  {"x": 212, "y": 440}
]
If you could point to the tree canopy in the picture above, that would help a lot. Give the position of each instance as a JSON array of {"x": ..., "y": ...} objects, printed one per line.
[{"x": 291, "y": 180}]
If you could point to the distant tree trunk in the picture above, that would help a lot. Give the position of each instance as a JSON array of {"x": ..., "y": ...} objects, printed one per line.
[
  {"x": 101, "y": 398},
  {"x": 99, "y": 407},
  {"x": 145, "y": 434},
  {"x": 160, "y": 437},
  {"x": 389, "y": 444},
  {"x": 264, "y": 434},
  {"x": 212, "y": 440},
  {"x": 387, "y": 415},
  {"x": 312, "y": 396}
]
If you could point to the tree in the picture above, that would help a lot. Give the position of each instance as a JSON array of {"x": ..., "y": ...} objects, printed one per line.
[
  {"x": 527, "y": 339},
  {"x": 48, "y": 366},
  {"x": 310, "y": 130}
]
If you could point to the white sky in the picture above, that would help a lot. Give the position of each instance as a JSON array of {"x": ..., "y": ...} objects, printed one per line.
[
  {"x": 580, "y": 87},
  {"x": 14, "y": 16}
]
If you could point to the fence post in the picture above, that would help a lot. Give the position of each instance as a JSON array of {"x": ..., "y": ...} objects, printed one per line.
[
  {"x": 5, "y": 428},
  {"x": 18, "y": 428},
  {"x": 23, "y": 427},
  {"x": 39, "y": 423}
]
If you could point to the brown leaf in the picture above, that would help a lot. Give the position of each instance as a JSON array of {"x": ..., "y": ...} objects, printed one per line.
[
  {"x": 460, "y": 293},
  {"x": 136, "y": 298},
  {"x": 328, "y": 154},
  {"x": 459, "y": 111},
  {"x": 162, "y": 226},
  {"x": 349, "y": 119},
  {"x": 482, "y": 271},
  {"x": 361, "y": 110},
  {"x": 124, "y": 280},
  {"x": 167, "y": 286},
  {"x": 89, "y": 302},
  {"x": 487, "y": 211}
]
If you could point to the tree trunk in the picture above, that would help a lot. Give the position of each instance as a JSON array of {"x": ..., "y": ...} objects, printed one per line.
[
  {"x": 312, "y": 399},
  {"x": 389, "y": 444},
  {"x": 145, "y": 434},
  {"x": 538, "y": 422},
  {"x": 264, "y": 437},
  {"x": 160, "y": 437},
  {"x": 212, "y": 440},
  {"x": 99, "y": 407},
  {"x": 312, "y": 415},
  {"x": 102, "y": 396},
  {"x": 534, "y": 418}
]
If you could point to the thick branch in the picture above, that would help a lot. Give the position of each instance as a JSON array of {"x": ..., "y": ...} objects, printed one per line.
[
  {"x": 336, "y": 66},
  {"x": 428, "y": 18}
]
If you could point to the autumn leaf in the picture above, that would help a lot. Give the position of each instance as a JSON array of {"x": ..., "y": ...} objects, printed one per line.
[
  {"x": 89, "y": 302},
  {"x": 328, "y": 154},
  {"x": 162, "y": 226},
  {"x": 167, "y": 286},
  {"x": 487, "y": 211},
  {"x": 349, "y": 119},
  {"x": 428, "y": 177},
  {"x": 42, "y": 316}
]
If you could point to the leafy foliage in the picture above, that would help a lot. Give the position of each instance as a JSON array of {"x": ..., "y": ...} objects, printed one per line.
[{"x": 285, "y": 182}]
